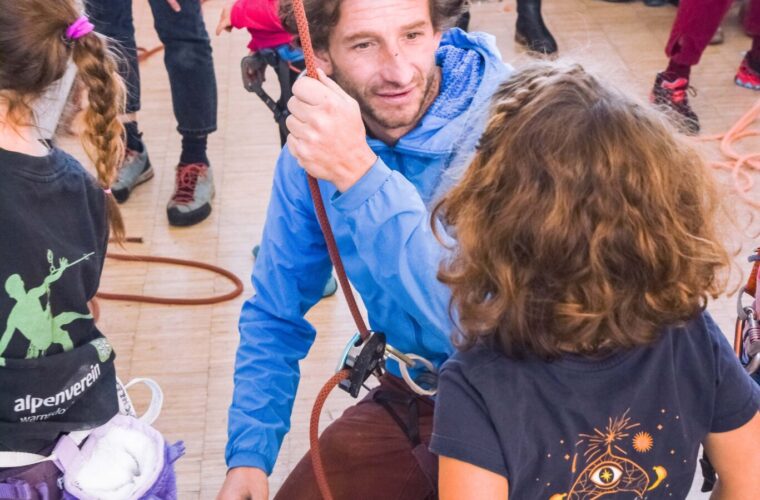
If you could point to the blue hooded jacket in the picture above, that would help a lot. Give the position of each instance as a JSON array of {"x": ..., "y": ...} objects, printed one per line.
[{"x": 382, "y": 227}]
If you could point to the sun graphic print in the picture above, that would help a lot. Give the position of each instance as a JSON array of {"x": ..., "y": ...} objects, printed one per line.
[
  {"x": 608, "y": 469},
  {"x": 643, "y": 442}
]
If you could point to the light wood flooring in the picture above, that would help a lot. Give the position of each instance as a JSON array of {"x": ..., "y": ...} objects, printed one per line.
[{"x": 190, "y": 350}]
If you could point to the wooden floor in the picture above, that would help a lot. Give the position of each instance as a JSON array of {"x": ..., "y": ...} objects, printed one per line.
[{"x": 190, "y": 350}]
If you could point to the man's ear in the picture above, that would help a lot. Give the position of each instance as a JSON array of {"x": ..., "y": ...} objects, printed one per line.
[
  {"x": 324, "y": 62},
  {"x": 437, "y": 35}
]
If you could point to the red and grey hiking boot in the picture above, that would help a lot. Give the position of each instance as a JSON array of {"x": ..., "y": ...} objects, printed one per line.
[
  {"x": 193, "y": 191},
  {"x": 747, "y": 77},
  {"x": 672, "y": 95}
]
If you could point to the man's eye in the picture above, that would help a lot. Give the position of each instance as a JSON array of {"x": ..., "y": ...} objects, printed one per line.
[
  {"x": 362, "y": 46},
  {"x": 414, "y": 35}
]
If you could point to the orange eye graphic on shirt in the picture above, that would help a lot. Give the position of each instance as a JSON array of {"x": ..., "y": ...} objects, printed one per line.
[{"x": 606, "y": 475}]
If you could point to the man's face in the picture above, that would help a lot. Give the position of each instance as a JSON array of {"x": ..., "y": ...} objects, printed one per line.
[{"x": 382, "y": 53}]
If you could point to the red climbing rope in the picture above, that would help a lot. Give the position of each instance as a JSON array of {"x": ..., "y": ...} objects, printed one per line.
[
  {"x": 332, "y": 248},
  {"x": 215, "y": 299},
  {"x": 316, "y": 457}
]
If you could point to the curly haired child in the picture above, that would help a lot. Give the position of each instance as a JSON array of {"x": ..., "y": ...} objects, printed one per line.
[{"x": 587, "y": 252}]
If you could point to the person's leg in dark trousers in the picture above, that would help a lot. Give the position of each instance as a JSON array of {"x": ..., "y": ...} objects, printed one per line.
[
  {"x": 530, "y": 29},
  {"x": 113, "y": 18},
  {"x": 188, "y": 60},
  {"x": 694, "y": 26},
  {"x": 368, "y": 455}
]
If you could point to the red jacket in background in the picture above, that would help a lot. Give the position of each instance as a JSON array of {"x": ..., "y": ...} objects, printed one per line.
[{"x": 260, "y": 18}]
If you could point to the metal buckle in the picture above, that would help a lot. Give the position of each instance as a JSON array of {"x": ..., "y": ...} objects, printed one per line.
[{"x": 253, "y": 69}]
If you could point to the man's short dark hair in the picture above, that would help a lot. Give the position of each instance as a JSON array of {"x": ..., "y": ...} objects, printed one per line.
[{"x": 323, "y": 15}]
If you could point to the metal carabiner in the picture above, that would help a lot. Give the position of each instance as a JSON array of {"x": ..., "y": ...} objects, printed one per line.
[
  {"x": 368, "y": 357},
  {"x": 751, "y": 341}
]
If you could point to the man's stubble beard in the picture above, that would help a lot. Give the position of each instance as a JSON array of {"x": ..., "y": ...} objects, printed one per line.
[{"x": 368, "y": 112}]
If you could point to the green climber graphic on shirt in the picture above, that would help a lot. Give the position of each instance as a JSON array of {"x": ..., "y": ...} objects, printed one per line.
[{"x": 35, "y": 322}]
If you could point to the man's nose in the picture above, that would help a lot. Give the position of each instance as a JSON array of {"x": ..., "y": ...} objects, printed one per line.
[{"x": 396, "y": 67}]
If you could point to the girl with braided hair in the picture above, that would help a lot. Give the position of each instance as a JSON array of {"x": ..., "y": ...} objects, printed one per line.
[
  {"x": 56, "y": 368},
  {"x": 587, "y": 250}
]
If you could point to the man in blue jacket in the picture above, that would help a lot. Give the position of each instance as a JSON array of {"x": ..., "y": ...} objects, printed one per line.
[{"x": 387, "y": 133}]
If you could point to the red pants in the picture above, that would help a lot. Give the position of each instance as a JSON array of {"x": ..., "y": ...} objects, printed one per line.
[
  {"x": 696, "y": 23},
  {"x": 369, "y": 455}
]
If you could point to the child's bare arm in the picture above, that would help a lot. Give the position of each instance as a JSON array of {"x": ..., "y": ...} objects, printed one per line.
[
  {"x": 736, "y": 457},
  {"x": 459, "y": 480}
]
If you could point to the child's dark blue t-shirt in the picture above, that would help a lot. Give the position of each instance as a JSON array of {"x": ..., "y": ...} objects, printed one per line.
[{"x": 628, "y": 425}]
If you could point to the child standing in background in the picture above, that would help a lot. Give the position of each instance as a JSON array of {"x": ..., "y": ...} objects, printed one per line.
[
  {"x": 56, "y": 368},
  {"x": 587, "y": 251}
]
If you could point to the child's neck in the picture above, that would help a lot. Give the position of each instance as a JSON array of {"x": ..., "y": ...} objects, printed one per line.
[{"x": 20, "y": 138}]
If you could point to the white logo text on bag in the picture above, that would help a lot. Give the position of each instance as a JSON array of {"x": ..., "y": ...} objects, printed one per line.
[{"x": 32, "y": 403}]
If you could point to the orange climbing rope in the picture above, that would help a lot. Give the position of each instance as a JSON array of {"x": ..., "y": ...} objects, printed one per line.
[
  {"x": 741, "y": 166},
  {"x": 180, "y": 301},
  {"x": 332, "y": 247}
]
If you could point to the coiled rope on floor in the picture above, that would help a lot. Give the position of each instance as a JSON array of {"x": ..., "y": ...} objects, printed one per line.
[
  {"x": 741, "y": 166},
  {"x": 179, "y": 301}
]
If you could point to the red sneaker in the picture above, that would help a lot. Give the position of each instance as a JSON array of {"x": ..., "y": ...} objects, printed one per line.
[
  {"x": 746, "y": 76},
  {"x": 673, "y": 96}
]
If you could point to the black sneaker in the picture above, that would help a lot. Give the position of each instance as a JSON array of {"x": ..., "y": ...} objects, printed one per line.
[{"x": 672, "y": 95}]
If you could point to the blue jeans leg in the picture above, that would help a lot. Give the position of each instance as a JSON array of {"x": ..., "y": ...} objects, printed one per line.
[
  {"x": 190, "y": 65},
  {"x": 113, "y": 18}
]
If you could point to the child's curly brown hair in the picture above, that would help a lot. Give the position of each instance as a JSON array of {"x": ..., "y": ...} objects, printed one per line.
[{"x": 584, "y": 223}]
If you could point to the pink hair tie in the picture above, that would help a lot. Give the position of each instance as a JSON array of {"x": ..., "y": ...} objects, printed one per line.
[{"x": 79, "y": 28}]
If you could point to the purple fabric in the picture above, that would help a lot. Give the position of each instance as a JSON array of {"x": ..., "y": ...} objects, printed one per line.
[
  {"x": 35, "y": 482},
  {"x": 165, "y": 487}
]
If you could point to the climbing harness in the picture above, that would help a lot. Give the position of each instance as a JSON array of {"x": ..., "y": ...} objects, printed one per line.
[
  {"x": 367, "y": 351},
  {"x": 288, "y": 63}
]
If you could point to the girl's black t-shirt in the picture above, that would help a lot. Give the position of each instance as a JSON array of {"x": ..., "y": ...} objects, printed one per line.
[
  {"x": 56, "y": 368},
  {"x": 626, "y": 426}
]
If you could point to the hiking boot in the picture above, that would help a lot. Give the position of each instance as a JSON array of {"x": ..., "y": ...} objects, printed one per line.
[
  {"x": 193, "y": 191},
  {"x": 747, "y": 77},
  {"x": 530, "y": 30},
  {"x": 672, "y": 96},
  {"x": 134, "y": 170}
]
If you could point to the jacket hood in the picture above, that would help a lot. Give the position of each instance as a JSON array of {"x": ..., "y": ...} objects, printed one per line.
[{"x": 451, "y": 127}]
